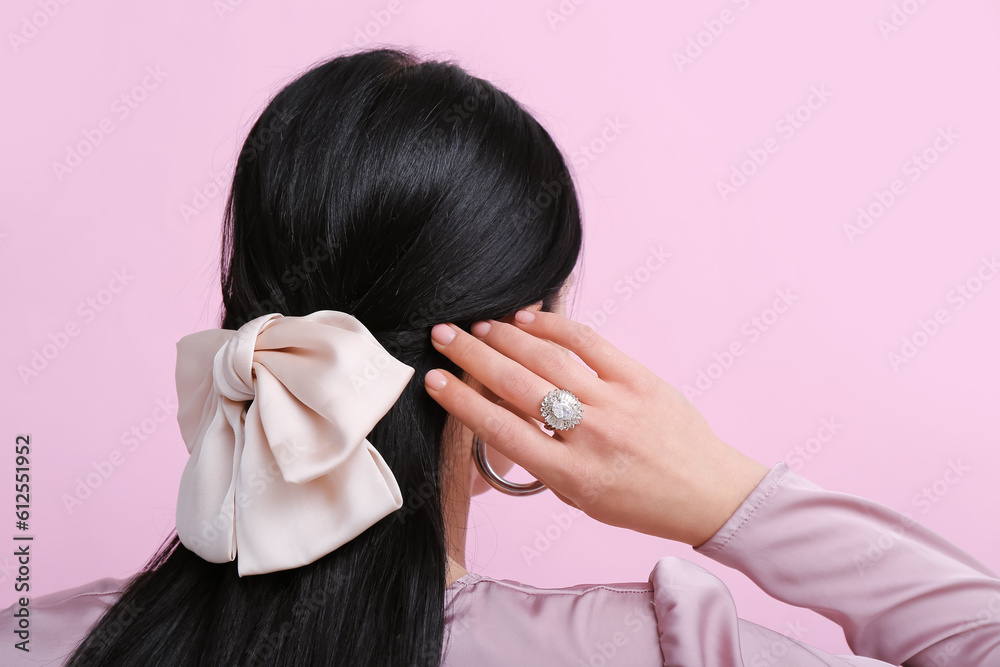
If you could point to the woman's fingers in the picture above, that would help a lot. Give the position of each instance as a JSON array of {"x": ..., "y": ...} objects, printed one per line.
[
  {"x": 532, "y": 421},
  {"x": 548, "y": 361},
  {"x": 514, "y": 437},
  {"x": 529, "y": 419},
  {"x": 505, "y": 375},
  {"x": 610, "y": 363}
]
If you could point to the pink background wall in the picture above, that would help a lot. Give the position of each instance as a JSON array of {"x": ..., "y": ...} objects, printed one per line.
[{"x": 656, "y": 106}]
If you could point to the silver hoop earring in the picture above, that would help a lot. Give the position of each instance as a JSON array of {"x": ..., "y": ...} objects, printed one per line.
[{"x": 498, "y": 482}]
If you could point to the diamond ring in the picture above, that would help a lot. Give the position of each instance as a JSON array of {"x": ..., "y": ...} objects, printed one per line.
[{"x": 561, "y": 410}]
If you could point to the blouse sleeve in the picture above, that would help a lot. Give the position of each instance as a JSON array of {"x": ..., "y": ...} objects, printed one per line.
[{"x": 902, "y": 593}]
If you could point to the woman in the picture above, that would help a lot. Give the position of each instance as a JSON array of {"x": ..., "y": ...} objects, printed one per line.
[{"x": 438, "y": 214}]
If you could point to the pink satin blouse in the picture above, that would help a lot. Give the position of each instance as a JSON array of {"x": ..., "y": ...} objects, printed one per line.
[{"x": 903, "y": 594}]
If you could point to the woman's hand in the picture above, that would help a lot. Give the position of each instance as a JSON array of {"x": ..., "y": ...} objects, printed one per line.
[{"x": 642, "y": 457}]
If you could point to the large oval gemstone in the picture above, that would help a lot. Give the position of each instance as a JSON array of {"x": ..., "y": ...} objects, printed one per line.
[{"x": 562, "y": 409}]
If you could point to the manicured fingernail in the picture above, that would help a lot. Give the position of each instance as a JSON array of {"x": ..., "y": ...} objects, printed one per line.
[
  {"x": 480, "y": 329},
  {"x": 442, "y": 333},
  {"x": 435, "y": 379},
  {"x": 524, "y": 316}
]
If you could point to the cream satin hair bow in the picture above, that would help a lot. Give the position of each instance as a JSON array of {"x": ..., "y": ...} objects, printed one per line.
[{"x": 275, "y": 418}]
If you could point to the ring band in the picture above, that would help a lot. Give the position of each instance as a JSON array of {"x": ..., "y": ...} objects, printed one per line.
[
  {"x": 561, "y": 410},
  {"x": 498, "y": 482}
]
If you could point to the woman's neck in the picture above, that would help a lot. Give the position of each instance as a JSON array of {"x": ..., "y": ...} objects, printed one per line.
[
  {"x": 455, "y": 501},
  {"x": 455, "y": 571}
]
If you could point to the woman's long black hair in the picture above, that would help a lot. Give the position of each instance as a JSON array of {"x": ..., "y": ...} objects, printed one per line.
[{"x": 406, "y": 193}]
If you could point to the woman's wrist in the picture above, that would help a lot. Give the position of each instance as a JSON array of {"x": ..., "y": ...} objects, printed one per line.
[{"x": 732, "y": 482}]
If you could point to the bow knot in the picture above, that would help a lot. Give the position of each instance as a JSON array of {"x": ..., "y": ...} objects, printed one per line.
[
  {"x": 232, "y": 368},
  {"x": 275, "y": 417}
]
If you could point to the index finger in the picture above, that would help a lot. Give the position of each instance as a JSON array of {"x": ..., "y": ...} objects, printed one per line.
[{"x": 605, "y": 359}]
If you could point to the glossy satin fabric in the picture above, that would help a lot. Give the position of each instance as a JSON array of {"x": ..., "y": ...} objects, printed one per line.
[
  {"x": 275, "y": 417},
  {"x": 902, "y": 594},
  {"x": 900, "y": 591}
]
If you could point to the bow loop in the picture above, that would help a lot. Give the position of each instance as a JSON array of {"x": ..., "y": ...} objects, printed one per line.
[{"x": 275, "y": 417}]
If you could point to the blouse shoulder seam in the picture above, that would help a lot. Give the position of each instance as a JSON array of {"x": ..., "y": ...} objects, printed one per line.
[
  {"x": 80, "y": 595},
  {"x": 522, "y": 588}
]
